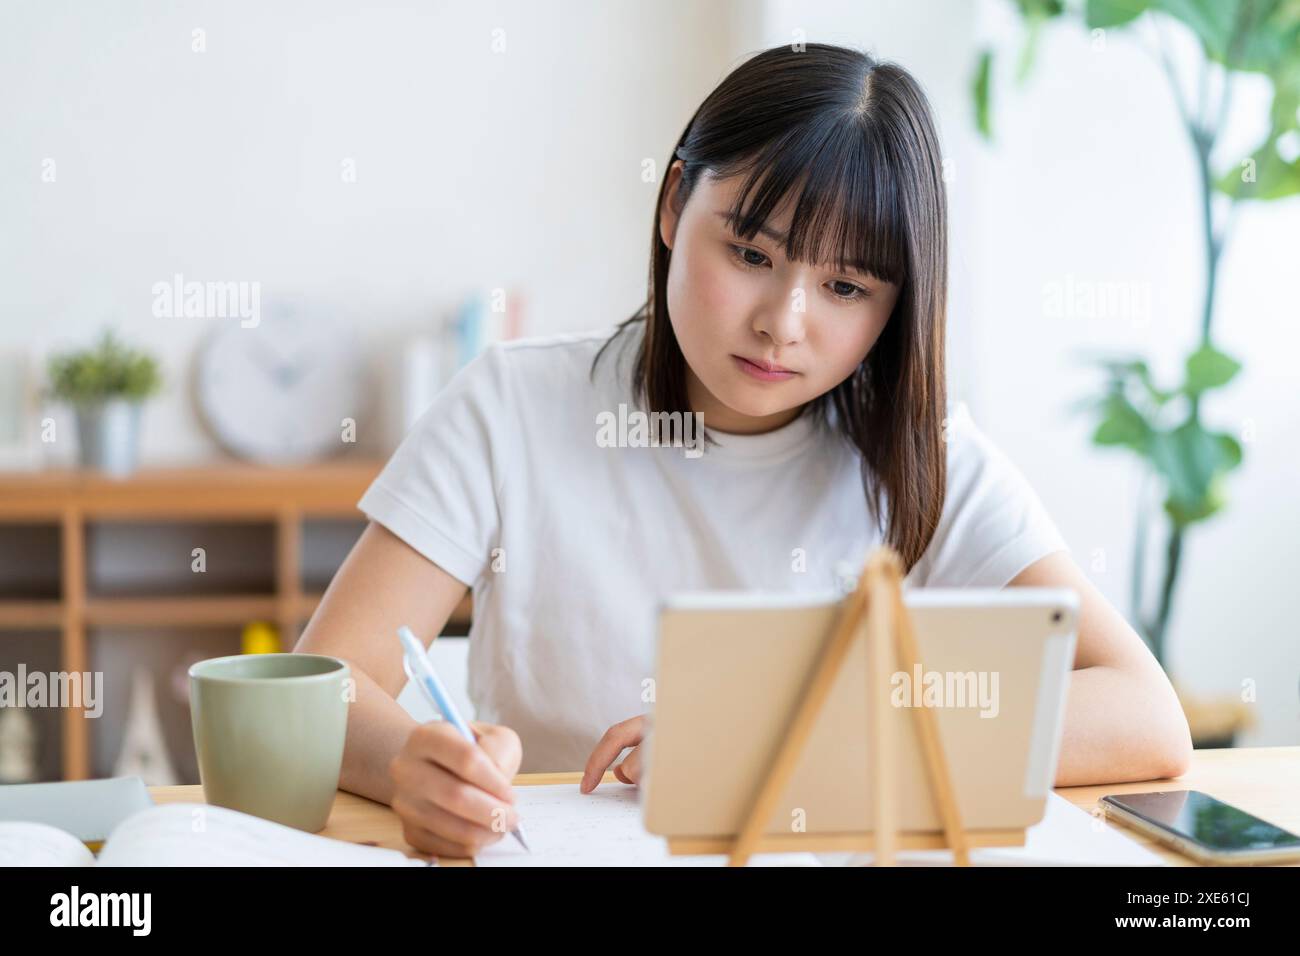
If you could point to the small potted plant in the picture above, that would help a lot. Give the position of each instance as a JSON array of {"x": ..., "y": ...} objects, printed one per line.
[{"x": 105, "y": 385}]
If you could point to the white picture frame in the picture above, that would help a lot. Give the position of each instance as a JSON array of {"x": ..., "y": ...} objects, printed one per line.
[{"x": 20, "y": 408}]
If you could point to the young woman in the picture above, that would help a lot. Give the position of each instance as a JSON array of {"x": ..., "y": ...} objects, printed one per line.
[{"x": 796, "y": 303}]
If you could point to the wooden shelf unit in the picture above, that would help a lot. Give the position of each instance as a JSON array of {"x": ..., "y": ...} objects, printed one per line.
[{"x": 74, "y": 500}]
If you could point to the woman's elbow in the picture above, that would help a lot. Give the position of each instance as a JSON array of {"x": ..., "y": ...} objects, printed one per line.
[{"x": 1175, "y": 751}]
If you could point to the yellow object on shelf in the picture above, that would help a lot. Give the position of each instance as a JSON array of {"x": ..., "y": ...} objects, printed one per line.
[{"x": 260, "y": 637}]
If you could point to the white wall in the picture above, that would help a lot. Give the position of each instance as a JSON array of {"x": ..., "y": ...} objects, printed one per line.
[{"x": 474, "y": 169}]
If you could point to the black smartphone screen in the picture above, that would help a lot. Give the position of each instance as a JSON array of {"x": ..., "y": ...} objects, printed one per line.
[{"x": 1200, "y": 817}]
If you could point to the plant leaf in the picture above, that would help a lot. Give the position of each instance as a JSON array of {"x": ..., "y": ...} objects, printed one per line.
[
  {"x": 1209, "y": 368},
  {"x": 1183, "y": 515},
  {"x": 1230, "y": 451},
  {"x": 1112, "y": 13},
  {"x": 109, "y": 369},
  {"x": 1272, "y": 177},
  {"x": 1029, "y": 48},
  {"x": 1256, "y": 36},
  {"x": 1211, "y": 20},
  {"x": 1191, "y": 461},
  {"x": 1122, "y": 424},
  {"x": 980, "y": 94}
]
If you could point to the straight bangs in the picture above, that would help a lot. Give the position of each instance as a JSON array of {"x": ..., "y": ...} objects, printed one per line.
[{"x": 847, "y": 210}]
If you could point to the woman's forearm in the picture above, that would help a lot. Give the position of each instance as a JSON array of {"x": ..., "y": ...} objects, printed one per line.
[
  {"x": 383, "y": 583},
  {"x": 1121, "y": 727},
  {"x": 377, "y": 729}
]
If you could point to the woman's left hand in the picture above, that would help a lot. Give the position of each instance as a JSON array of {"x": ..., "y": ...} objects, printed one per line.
[{"x": 616, "y": 740}]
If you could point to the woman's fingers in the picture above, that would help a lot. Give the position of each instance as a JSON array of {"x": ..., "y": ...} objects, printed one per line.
[
  {"x": 464, "y": 771},
  {"x": 423, "y": 783},
  {"x": 629, "y": 771},
  {"x": 433, "y": 830},
  {"x": 618, "y": 738},
  {"x": 502, "y": 744}
]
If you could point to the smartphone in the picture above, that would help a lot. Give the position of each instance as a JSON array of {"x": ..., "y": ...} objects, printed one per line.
[{"x": 1206, "y": 829}]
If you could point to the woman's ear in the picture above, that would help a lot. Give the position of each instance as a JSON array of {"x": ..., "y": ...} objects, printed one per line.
[{"x": 668, "y": 212}]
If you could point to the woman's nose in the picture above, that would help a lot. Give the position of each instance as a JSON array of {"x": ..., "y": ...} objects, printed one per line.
[{"x": 782, "y": 318}]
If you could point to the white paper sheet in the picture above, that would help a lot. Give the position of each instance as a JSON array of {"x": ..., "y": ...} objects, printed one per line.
[
  {"x": 36, "y": 844},
  {"x": 565, "y": 827},
  {"x": 1066, "y": 836},
  {"x": 194, "y": 834}
]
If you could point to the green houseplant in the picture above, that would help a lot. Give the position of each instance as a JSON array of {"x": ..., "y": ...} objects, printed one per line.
[
  {"x": 1163, "y": 425},
  {"x": 105, "y": 385}
]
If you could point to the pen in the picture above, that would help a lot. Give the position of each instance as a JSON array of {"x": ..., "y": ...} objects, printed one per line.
[{"x": 415, "y": 661}]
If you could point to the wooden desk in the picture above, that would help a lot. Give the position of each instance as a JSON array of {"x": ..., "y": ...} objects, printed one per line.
[
  {"x": 360, "y": 820},
  {"x": 1264, "y": 781}
]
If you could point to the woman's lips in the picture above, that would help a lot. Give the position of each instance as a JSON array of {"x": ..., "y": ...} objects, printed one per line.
[{"x": 764, "y": 373}]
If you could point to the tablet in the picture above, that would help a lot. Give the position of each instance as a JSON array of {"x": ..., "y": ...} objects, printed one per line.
[{"x": 994, "y": 668}]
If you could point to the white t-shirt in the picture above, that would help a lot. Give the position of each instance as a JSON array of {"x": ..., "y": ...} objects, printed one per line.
[{"x": 569, "y": 545}]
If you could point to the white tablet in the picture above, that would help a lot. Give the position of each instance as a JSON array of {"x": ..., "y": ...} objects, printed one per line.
[{"x": 995, "y": 667}]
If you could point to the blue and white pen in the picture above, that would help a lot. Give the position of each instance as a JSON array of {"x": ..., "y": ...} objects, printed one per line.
[{"x": 415, "y": 661}]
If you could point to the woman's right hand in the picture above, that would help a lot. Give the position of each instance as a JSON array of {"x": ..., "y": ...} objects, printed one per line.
[{"x": 454, "y": 797}]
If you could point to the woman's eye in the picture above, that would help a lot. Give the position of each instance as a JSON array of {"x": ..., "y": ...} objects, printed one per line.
[
  {"x": 844, "y": 291},
  {"x": 847, "y": 290},
  {"x": 741, "y": 253}
]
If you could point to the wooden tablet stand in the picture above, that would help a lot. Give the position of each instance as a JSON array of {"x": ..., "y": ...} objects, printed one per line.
[{"x": 874, "y": 611}]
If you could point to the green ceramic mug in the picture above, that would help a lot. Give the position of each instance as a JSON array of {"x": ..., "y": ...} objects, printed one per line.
[{"x": 269, "y": 732}]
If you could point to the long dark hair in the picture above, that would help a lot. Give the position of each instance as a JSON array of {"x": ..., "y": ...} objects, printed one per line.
[{"x": 858, "y": 134}]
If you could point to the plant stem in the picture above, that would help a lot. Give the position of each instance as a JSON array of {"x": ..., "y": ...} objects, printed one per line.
[
  {"x": 1139, "y": 563},
  {"x": 1172, "y": 559},
  {"x": 1202, "y": 144},
  {"x": 1202, "y": 136}
]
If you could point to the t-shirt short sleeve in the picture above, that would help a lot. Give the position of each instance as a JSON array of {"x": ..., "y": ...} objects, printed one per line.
[
  {"x": 993, "y": 524},
  {"x": 439, "y": 491}
]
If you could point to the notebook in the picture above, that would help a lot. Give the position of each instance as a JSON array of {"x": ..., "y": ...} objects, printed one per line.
[
  {"x": 566, "y": 827},
  {"x": 188, "y": 834}
]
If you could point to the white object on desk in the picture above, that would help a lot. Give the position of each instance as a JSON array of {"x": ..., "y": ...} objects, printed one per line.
[
  {"x": 450, "y": 658},
  {"x": 567, "y": 827},
  {"x": 190, "y": 834},
  {"x": 17, "y": 746},
  {"x": 144, "y": 749},
  {"x": 1066, "y": 836}
]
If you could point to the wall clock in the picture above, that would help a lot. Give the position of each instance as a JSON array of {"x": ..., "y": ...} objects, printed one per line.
[{"x": 279, "y": 392}]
